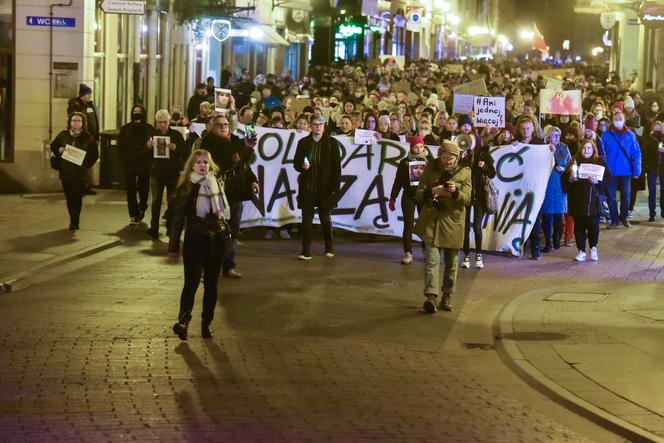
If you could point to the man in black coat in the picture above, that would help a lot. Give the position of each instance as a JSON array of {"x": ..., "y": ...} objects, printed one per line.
[
  {"x": 318, "y": 160},
  {"x": 232, "y": 155},
  {"x": 165, "y": 166},
  {"x": 242, "y": 92},
  {"x": 136, "y": 162},
  {"x": 200, "y": 95}
]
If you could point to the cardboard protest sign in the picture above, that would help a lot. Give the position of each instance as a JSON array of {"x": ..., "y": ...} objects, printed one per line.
[
  {"x": 553, "y": 73},
  {"x": 222, "y": 98},
  {"x": 560, "y": 102},
  {"x": 455, "y": 68},
  {"x": 73, "y": 155},
  {"x": 299, "y": 104},
  {"x": 554, "y": 83},
  {"x": 476, "y": 87},
  {"x": 369, "y": 170},
  {"x": 489, "y": 111},
  {"x": 462, "y": 104},
  {"x": 398, "y": 60},
  {"x": 588, "y": 170}
]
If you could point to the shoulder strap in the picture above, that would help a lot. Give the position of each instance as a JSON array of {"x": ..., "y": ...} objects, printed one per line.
[{"x": 629, "y": 159}]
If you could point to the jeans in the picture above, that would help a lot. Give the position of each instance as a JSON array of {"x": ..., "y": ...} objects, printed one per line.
[
  {"x": 157, "y": 185},
  {"x": 432, "y": 270},
  {"x": 586, "y": 228},
  {"x": 408, "y": 206},
  {"x": 553, "y": 227},
  {"x": 234, "y": 224},
  {"x": 137, "y": 183},
  {"x": 612, "y": 187},
  {"x": 478, "y": 217},
  {"x": 325, "y": 216},
  {"x": 652, "y": 175},
  {"x": 74, "y": 195},
  {"x": 201, "y": 255}
]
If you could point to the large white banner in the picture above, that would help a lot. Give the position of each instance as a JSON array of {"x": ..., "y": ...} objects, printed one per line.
[{"x": 366, "y": 180}]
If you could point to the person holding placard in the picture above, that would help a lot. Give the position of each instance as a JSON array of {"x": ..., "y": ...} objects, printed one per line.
[
  {"x": 74, "y": 168},
  {"x": 407, "y": 179},
  {"x": 167, "y": 146},
  {"x": 555, "y": 200},
  {"x": 200, "y": 204},
  {"x": 583, "y": 198}
]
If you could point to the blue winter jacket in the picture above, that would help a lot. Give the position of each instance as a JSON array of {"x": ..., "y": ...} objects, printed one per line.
[
  {"x": 619, "y": 164},
  {"x": 555, "y": 200}
]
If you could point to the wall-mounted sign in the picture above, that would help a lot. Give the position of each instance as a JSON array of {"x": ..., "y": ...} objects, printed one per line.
[
  {"x": 60, "y": 22},
  {"x": 348, "y": 30},
  {"x": 221, "y": 29},
  {"x": 131, "y": 7},
  {"x": 652, "y": 14}
]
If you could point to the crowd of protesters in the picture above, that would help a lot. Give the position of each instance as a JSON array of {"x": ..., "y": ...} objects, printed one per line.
[{"x": 620, "y": 128}]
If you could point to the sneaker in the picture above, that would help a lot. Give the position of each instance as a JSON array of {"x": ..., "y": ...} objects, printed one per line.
[
  {"x": 269, "y": 235},
  {"x": 429, "y": 305},
  {"x": 304, "y": 257},
  {"x": 629, "y": 214},
  {"x": 232, "y": 273},
  {"x": 581, "y": 256},
  {"x": 406, "y": 258},
  {"x": 445, "y": 303},
  {"x": 593, "y": 253},
  {"x": 466, "y": 262},
  {"x": 569, "y": 243},
  {"x": 479, "y": 263},
  {"x": 626, "y": 224},
  {"x": 329, "y": 254}
]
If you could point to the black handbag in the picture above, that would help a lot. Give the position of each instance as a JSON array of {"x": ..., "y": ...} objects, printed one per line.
[
  {"x": 55, "y": 162},
  {"x": 237, "y": 183}
]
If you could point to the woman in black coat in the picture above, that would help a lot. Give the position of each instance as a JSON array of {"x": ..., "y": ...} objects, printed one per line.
[
  {"x": 200, "y": 203},
  {"x": 653, "y": 166},
  {"x": 480, "y": 162},
  {"x": 583, "y": 199},
  {"x": 73, "y": 176}
]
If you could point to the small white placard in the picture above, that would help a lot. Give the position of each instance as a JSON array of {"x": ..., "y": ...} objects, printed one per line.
[
  {"x": 587, "y": 170},
  {"x": 181, "y": 129},
  {"x": 415, "y": 171},
  {"x": 222, "y": 99},
  {"x": 364, "y": 137},
  {"x": 198, "y": 128},
  {"x": 160, "y": 148},
  {"x": 73, "y": 155},
  {"x": 463, "y": 104},
  {"x": 660, "y": 147}
]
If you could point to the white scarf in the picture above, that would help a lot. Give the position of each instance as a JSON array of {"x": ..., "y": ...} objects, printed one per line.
[{"x": 210, "y": 197}]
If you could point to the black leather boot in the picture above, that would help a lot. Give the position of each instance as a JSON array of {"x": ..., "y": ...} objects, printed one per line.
[
  {"x": 180, "y": 328},
  {"x": 205, "y": 330}
]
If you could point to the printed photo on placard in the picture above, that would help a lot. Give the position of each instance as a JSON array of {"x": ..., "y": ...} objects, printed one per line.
[
  {"x": 415, "y": 171},
  {"x": 222, "y": 99},
  {"x": 160, "y": 148}
]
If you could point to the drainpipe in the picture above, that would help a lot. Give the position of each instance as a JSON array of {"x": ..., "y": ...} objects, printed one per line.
[{"x": 50, "y": 64}]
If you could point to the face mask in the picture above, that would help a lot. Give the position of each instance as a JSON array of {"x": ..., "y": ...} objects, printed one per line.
[
  {"x": 618, "y": 124},
  {"x": 334, "y": 105},
  {"x": 253, "y": 100},
  {"x": 176, "y": 116},
  {"x": 136, "y": 117},
  {"x": 655, "y": 109},
  {"x": 358, "y": 94}
]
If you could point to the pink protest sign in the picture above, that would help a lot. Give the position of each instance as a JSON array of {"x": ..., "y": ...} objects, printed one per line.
[{"x": 560, "y": 102}]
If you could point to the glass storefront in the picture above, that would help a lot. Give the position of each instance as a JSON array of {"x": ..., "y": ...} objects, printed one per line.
[{"x": 6, "y": 80}]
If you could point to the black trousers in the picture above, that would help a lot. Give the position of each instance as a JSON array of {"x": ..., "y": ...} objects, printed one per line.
[
  {"x": 408, "y": 206},
  {"x": 157, "y": 185},
  {"x": 553, "y": 229},
  {"x": 138, "y": 184},
  {"x": 325, "y": 216},
  {"x": 586, "y": 228},
  {"x": 74, "y": 190},
  {"x": 234, "y": 224},
  {"x": 478, "y": 217},
  {"x": 201, "y": 255}
]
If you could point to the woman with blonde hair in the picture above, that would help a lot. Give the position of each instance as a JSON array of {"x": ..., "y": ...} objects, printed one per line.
[{"x": 201, "y": 204}]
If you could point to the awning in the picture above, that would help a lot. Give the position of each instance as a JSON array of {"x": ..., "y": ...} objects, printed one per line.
[{"x": 258, "y": 32}]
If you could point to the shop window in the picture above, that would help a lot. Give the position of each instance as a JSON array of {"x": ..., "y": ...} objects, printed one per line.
[{"x": 6, "y": 78}]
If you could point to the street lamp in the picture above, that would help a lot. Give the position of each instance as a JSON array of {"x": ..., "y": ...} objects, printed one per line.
[
  {"x": 453, "y": 19},
  {"x": 596, "y": 51},
  {"x": 526, "y": 34}
]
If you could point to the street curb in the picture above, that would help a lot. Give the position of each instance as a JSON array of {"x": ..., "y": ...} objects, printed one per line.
[
  {"x": 15, "y": 280},
  {"x": 512, "y": 356}
]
